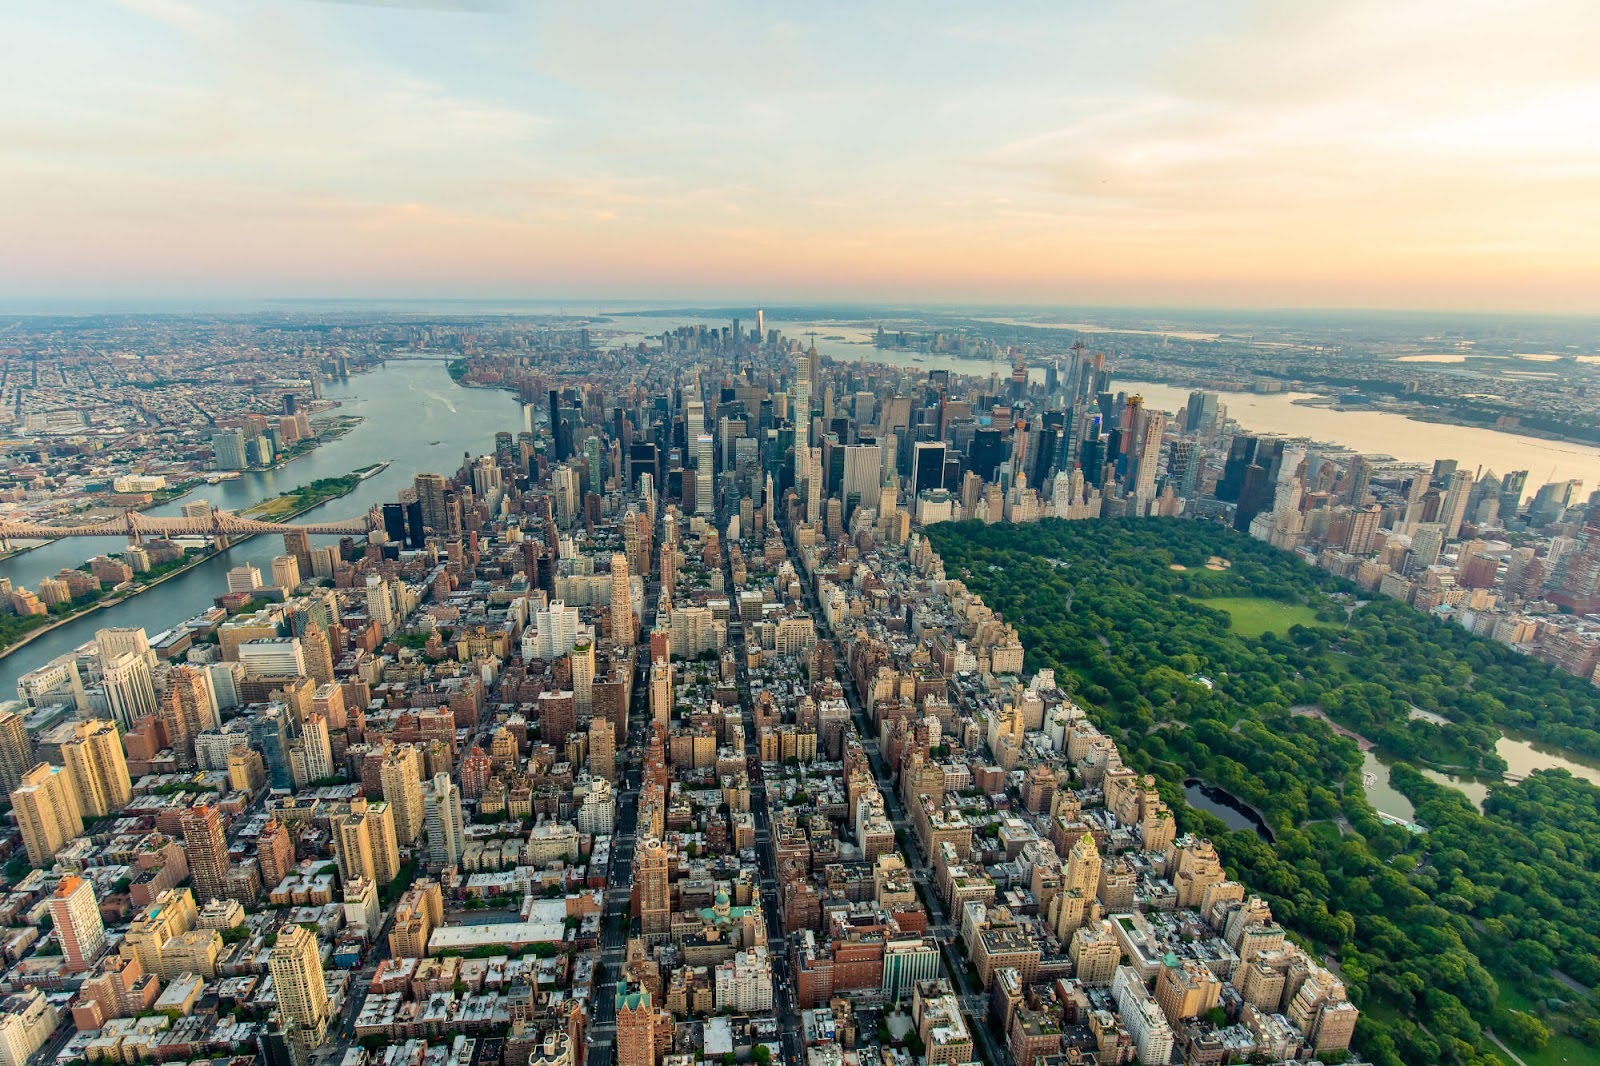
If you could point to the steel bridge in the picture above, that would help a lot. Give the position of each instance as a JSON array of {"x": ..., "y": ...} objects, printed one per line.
[{"x": 221, "y": 524}]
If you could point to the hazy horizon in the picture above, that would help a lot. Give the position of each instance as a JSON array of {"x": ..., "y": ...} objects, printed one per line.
[{"x": 1414, "y": 155}]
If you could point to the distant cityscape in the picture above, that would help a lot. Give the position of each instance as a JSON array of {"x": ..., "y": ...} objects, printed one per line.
[{"x": 651, "y": 730}]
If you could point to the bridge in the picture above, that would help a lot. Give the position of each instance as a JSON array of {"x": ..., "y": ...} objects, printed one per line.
[{"x": 223, "y": 524}]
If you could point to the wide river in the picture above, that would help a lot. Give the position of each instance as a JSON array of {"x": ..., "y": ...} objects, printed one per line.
[{"x": 412, "y": 413}]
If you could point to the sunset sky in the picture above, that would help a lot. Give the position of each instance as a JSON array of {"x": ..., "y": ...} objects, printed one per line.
[{"x": 1363, "y": 153}]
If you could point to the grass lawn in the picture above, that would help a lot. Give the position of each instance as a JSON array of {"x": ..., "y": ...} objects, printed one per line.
[
  {"x": 1254, "y": 615},
  {"x": 1562, "y": 1050}
]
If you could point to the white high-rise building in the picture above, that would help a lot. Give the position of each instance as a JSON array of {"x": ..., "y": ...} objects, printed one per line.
[
  {"x": 555, "y": 630},
  {"x": 118, "y": 640},
  {"x": 863, "y": 473},
  {"x": 273, "y": 657},
  {"x": 705, "y": 475},
  {"x": 802, "y": 415},
  {"x": 744, "y": 982},
  {"x": 441, "y": 805},
  {"x": 77, "y": 922},
  {"x": 130, "y": 690},
  {"x": 246, "y": 578},
  {"x": 597, "y": 811},
  {"x": 694, "y": 423},
  {"x": 380, "y": 604}
]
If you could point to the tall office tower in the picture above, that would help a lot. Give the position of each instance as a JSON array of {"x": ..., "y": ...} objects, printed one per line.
[
  {"x": 567, "y": 494},
  {"x": 927, "y": 466},
  {"x": 1144, "y": 485},
  {"x": 1201, "y": 414},
  {"x": 1512, "y": 486},
  {"x": 46, "y": 808},
  {"x": 316, "y": 748},
  {"x": 863, "y": 472},
  {"x": 430, "y": 490},
  {"x": 188, "y": 707},
  {"x": 802, "y": 414},
  {"x": 694, "y": 422},
  {"x": 442, "y": 812},
  {"x": 556, "y": 443},
  {"x": 244, "y": 578},
  {"x": 1552, "y": 500},
  {"x": 206, "y": 848},
  {"x": 380, "y": 604},
  {"x": 297, "y": 979},
  {"x": 1454, "y": 508},
  {"x": 119, "y": 640},
  {"x": 401, "y": 775},
  {"x": 661, "y": 692},
  {"x": 16, "y": 748},
  {"x": 285, "y": 572},
  {"x": 636, "y": 1029},
  {"x": 77, "y": 922},
  {"x": 227, "y": 450},
  {"x": 1357, "y": 479},
  {"x": 705, "y": 481},
  {"x": 622, "y": 622},
  {"x": 655, "y": 892},
  {"x": 130, "y": 690},
  {"x": 297, "y": 542},
  {"x": 814, "y": 478},
  {"x": 318, "y": 655},
  {"x": 555, "y": 629},
  {"x": 352, "y": 844},
  {"x": 98, "y": 767},
  {"x": 385, "y": 845},
  {"x": 583, "y": 676},
  {"x": 602, "y": 748}
]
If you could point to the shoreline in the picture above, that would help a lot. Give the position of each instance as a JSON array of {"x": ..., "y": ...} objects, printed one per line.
[
  {"x": 108, "y": 601},
  {"x": 209, "y": 552}
]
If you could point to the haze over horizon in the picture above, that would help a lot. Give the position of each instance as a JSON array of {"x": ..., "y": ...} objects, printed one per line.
[{"x": 1247, "y": 155}]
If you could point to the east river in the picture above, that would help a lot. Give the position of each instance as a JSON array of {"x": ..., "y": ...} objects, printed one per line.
[
  {"x": 412, "y": 413},
  {"x": 415, "y": 415}
]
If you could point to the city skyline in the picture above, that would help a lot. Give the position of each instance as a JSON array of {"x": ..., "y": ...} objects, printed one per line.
[{"x": 1415, "y": 155}]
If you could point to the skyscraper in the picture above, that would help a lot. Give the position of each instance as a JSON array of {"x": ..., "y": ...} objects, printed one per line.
[
  {"x": 130, "y": 690},
  {"x": 1454, "y": 508},
  {"x": 352, "y": 844},
  {"x": 442, "y": 812},
  {"x": 206, "y": 847},
  {"x": 622, "y": 623},
  {"x": 583, "y": 676},
  {"x": 636, "y": 1029},
  {"x": 16, "y": 747},
  {"x": 655, "y": 895},
  {"x": 296, "y": 965},
  {"x": 602, "y": 748},
  {"x": 99, "y": 769},
  {"x": 402, "y": 790},
  {"x": 430, "y": 490},
  {"x": 76, "y": 918},
  {"x": 46, "y": 808},
  {"x": 705, "y": 451}
]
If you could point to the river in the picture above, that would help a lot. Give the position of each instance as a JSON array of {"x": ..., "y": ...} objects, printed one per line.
[{"x": 412, "y": 413}]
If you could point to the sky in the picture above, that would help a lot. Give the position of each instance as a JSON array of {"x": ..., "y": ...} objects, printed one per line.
[{"x": 1359, "y": 153}]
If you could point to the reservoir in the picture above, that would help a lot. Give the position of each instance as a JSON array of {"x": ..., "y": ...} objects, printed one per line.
[
  {"x": 1234, "y": 812},
  {"x": 411, "y": 411}
]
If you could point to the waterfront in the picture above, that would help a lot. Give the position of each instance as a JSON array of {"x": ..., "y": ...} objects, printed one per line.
[{"x": 406, "y": 407}]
